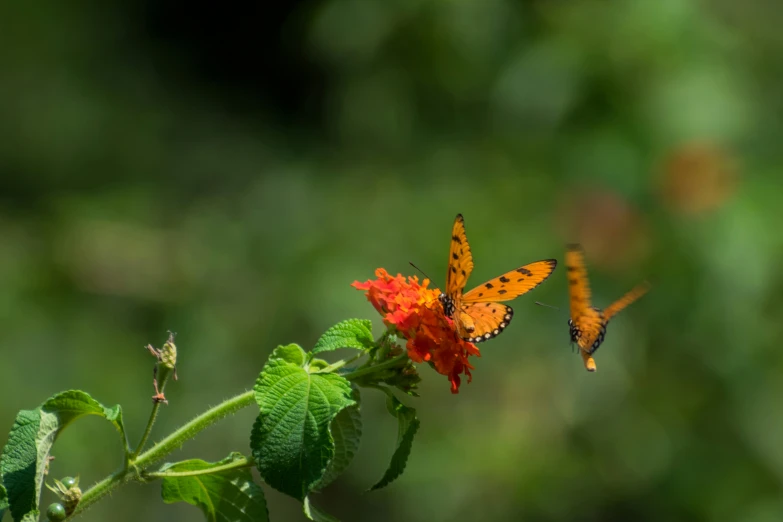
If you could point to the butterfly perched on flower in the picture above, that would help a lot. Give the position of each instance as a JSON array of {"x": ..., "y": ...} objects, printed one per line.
[
  {"x": 477, "y": 314},
  {"x": 587, "y": 324}
]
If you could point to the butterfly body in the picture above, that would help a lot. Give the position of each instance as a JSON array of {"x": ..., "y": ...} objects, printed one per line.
[
  {"x": 593, "y": 329},
  {"x": 587, "y": 324},
  {"x": 478, "y": 315},
  {"x": 449, "y": 307}
]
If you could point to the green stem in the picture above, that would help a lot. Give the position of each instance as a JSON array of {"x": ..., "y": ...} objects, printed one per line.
[
  {"x": 380, "y": 388},
  {"x": 361, "y": 372},
  {"x": 244, "y": 462},
  {"x": 147, "y": 431},
  {"x": 101, "y": 489},
  {"x": 189, "y": 430},
  {"x": 165, "y": 372},
  {"x": 339, "y": 364},
  {"x": 163, "y": 448}
]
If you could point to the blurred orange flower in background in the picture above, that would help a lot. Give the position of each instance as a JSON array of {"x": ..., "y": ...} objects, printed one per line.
[
  {"x": 609, "y": 227},
  {"x": 697, "y": 178},
  {"x": 414, "y": 312}
]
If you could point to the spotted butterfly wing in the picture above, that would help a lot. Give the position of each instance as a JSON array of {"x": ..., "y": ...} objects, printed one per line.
[
  {"x": 512, "y": 284},
  {"x": 482, "y": 321},
  {"x": 460, "y": 259},
  {"x": 459, "y": 268},
  {"x": 482, "y": 304},
  {"x": 478, "y": 315},
  {"x": 587, "y": 324}
]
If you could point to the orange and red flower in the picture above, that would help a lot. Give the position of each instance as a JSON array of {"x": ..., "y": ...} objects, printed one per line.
[{"x": 417, "y": 315}]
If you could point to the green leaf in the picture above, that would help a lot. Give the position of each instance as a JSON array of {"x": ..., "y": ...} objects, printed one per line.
[
  {"x": 24, "y": 457},
  {"x": 351, "y": 333},
  {"x": 407, "y": 425},
  {"x": 346, "y": 431},
  {"x": 229, "y": 495},
  {"x": 72, "y": 404},
  {"x": 291, "y": 441},
  {"x": 315, "y": 514},
  {"x": 291, "y": 353},
  {"x": 316, "y": 365},
  {"x": 3, "y": 501}
]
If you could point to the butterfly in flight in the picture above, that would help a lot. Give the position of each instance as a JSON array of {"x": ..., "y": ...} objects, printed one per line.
[
  {"x": 587, "y": 324},
  {"x": 477, "y": 314}
]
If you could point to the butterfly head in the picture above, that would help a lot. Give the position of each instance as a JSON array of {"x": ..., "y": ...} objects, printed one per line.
[{"x": 448, "y": 304}]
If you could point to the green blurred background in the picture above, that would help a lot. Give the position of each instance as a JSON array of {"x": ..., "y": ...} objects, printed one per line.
[{"x": 226, "y": 171}]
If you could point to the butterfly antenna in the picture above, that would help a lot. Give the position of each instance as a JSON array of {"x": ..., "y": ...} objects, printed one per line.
[
  {"x": 420, "y": 270},
  {"x": 548, "y": 306}
]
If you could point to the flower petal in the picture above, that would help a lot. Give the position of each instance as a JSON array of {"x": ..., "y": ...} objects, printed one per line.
[{"x": 417, "y": 314}]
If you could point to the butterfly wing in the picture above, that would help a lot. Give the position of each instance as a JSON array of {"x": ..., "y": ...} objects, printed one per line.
[
  {"x": 486, "y": 320},
  {"x": 625, "y": 300},
  {"x": 578, "y": 285},
  {"x": 589, "y": 324},
  {"x": 460, "y": 259},
  {"x": 511, "y": 284},
  {"x": 481, "y": 317}
]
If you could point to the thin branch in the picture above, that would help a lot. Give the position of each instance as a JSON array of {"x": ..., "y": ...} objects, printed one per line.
[
  {"x": 391, "y": 363},
  {"x": 238, "y": 464},
  {"x": 162, "y": 449},
  {"x": 147, "y": 430},
  {"x": 339, "y": 364}
]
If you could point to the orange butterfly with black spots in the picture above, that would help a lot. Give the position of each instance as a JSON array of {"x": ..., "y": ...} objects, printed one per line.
[
  {"x": 478, "y": 315},
  {"x": 587, "y": 324}
]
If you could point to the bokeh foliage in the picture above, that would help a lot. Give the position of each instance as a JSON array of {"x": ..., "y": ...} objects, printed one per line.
[{"x": 226, "y": 172}]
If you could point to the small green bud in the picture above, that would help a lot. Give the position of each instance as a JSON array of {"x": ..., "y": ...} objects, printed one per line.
[
  {"x": 69, "y": 492},
  {"x": 168, "y": 354},
  {"x": 55, "y": 512},
  {"x": 70, "y": 482}
]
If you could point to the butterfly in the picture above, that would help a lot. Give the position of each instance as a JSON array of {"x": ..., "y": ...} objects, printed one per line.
[
  {"x": 587, "y": 324},
  {"x": 477, "y": 315}
]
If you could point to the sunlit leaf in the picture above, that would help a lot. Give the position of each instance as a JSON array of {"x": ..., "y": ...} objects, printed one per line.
[
  {"x": 291, "y": 441},
  {"x": 351, "y": 333}
]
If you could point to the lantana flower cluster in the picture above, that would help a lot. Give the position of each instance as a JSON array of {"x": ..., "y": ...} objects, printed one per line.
[{"x": 415, "y": 313}]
